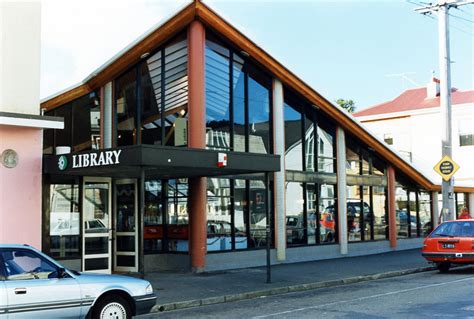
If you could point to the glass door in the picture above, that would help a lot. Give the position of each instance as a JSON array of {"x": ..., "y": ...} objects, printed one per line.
[
  {"x": 96, "y": 230},
  {"x": 125, "y": 225}
]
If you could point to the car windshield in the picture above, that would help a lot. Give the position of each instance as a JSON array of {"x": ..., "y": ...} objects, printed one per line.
[{"x": 455, "y": 229}]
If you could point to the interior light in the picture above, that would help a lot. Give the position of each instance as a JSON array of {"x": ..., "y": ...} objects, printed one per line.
[
  {"x": 182, "y": 112},
  {"x": 244, "y": 53},
  {"x": 144, "y": 55}
]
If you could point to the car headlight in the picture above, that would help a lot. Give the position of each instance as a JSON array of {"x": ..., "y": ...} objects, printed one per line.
[{"x": 149, "y": 289}]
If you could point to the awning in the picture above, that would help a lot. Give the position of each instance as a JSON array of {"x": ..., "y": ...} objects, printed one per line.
[{"x": 161, "y": 162}]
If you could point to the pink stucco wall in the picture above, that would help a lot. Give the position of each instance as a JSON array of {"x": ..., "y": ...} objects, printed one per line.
[{"x": 20, "y": 187}]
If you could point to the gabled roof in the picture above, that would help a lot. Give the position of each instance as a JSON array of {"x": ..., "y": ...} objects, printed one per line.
[
  {"x": 199, "y": 11},
  {"x": 415, "y": 99}
]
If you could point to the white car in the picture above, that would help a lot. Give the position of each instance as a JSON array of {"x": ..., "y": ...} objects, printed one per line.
[{"x": 33, "y": 285}]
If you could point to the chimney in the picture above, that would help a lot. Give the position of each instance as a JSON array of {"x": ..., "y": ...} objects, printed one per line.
[{"x": 432, "y": 88}]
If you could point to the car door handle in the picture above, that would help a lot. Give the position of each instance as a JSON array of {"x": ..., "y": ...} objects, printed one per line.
[{"x": 20, "y": 291}]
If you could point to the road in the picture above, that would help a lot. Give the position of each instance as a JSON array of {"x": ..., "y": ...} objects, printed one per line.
[{"x": 422, "y": 295}]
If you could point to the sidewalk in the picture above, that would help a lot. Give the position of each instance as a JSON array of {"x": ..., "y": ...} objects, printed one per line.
[{"x": 183, "y": 290}]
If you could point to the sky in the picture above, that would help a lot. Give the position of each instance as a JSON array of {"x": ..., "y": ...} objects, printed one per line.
[{"x": 367, "y": 51}]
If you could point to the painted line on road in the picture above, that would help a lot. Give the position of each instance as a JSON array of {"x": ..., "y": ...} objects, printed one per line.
[{"x": 362, "y": 298}]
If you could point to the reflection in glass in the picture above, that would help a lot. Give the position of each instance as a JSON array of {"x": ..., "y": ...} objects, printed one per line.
[
  {"x": 352, "y": 162},
  {"x": 240, "y": 214},
  {"x": 153, "y": 217},
  {"x": 125, "y": 108},
  {"x": 325, "y": 137},
  {"x": 86, "y": 122},
  {"x": 367, "y": 214},
  {"x": 178, "y": 230},
  {"x": 413, "y": 219},
  {"x": 258, "y": 220},
  {"x": 259, "y": 117},
  {"x": 64, "y": 220},
  {"x": 401, "y": 203},
  {"x": 311, "y": 213},
  {"x": 295, "y": 224},
  {"x": 327, "y": 214},
  {"x": 219, "y": 221},
  {"x": 238, "y": 86},
  {"x": 380, "y": 215},
  {"x": 125, "y": 208},
  {"x": 424, "y": 208},
  {"x": 217, "y": 96},
  {"x": 293, "y": 138},
  {"x": 96, "y": 208},
  {"x": 354, "y": 213}
]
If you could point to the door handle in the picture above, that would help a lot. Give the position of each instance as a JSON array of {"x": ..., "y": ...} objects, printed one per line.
[{"x": 20, "y": 291}]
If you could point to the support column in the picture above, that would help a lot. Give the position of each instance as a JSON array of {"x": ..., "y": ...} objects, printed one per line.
[
  {"x": 197, "y": 139},
  {"x": 435, "y": 206},
  {"x": 392, "y": 220},
  {"x": 279, "y": 177},
  {"x": 341, "y": 190}
]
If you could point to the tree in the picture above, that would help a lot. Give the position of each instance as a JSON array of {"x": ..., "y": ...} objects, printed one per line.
[{"x": 348, "y": 105}]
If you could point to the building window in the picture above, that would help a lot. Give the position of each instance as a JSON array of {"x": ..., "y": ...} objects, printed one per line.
[
  {"x": 293, "y": 137},
  {"x": 295, "y": 219},
  {"x": 388, "y": 138},
  {"x": 64, "y": 221},
  {"x": 402, "y": 214},
  {"x": 327, "y": 211},
  {"x": 466, "y": 139},
  {"x": 259, "y": 136},
  {"x": 154, "y": 232},
  {"x": 325, "y": 136},
  {"x": 126, "y": 108},
  {"x": 424, "y": 213},
  {"x": 460, "y": 202},
  {"x": 380, "y": 213},
  {"x": 257, "y": 214},
  {"x": 177, "y": 222},
  {"x": 353, "y": 161},
  {"x": 220, "y": 229}
]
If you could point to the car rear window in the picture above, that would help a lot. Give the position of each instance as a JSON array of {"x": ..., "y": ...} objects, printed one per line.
[{"x": 455, "y": 229}]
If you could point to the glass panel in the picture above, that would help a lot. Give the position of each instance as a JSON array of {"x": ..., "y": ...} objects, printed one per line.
[
  {"x": 293, "y": 138},
  {"x": 258, "y": 219},
  {"x": 259, "y": 117},
  {"x": 178, "y": 230},
  {"x": 240, "y": 214},
  {"x": 460, "y": 203},
  {"x": 64, "y": 136},
  {"x": 48, "y": 140},
  {"x": 352, "y": 162},
  {"x": 217, "y": 96},
  {"x": 96, "y": 208},
  {"x": 380, "y": 216},
  {"x": 86, "y": 134},
  {"x": 327, "y": 213},
  {"x": 424, "y": 207},
  {"x": 64, "y": 220},
  {"x": 125, "y": 207},
  {"x": 365, "y": 166},
  {"x": 325, "y": 146},
  {"x": 151, "y": 99},
  {"x": 309, "y": 140},
  {"x": 401, "y": 202},
  {"x": 125, "y": 243},
  {"x": 238, "y": 86},
  {"x": 295, "y": 225},
  {"x": 311, "y": 212},
  {"x": 413, "y": 219},
  {"x": 96, "y": 245},
  {"x": 125, "y": 261},
  {"x": 153, "y": 218},
  {"x": 125, "y": 108},
  {"x": 219, "y": 227},
  {"x": 354, "y": 213},
  {"x": 367, "y": 213},
  {"x": 96, "y": 264}
]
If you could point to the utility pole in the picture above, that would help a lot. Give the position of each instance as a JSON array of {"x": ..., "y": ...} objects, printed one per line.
[{"x": 442, "y": 8}]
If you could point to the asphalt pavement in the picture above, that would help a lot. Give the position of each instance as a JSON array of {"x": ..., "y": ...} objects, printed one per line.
[
  {"x": 184, "y": 290},
  {"x": 421, "y": 295}
]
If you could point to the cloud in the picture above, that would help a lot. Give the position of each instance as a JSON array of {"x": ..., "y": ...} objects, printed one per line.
[{"x": 79, "y": 36}]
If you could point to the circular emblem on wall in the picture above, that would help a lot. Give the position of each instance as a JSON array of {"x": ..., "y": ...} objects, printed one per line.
[
  {"x": 62, "y": 163},
  {"x": 9, "y": 158}
]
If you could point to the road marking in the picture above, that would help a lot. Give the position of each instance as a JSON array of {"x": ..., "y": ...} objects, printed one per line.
[{"x": 361, "y": 298}]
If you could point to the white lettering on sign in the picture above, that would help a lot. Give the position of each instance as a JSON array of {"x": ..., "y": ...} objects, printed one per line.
[{"x": 96, "y": 159}]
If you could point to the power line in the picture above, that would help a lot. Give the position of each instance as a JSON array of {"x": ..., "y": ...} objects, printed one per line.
[{"x": 459, "y": 17}]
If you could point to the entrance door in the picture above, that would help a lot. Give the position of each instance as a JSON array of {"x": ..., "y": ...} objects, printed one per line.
[
  {"x": 96, "y": 225},
  {"x": 125, "y": 225}
]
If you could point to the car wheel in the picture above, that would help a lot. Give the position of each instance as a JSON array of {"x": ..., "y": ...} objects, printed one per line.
[
  {"x": 112, "y": 307},
  {"x": 443, "y": 267}
]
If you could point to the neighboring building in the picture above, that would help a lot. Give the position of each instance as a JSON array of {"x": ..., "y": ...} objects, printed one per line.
[
  {"x": 21, "y": 125},
  {"x": 173, "y": 141},
  {"x": 412, "y": 124}
]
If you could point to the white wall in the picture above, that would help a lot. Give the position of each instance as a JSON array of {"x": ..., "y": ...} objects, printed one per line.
[
  {"x": 420, "y": 134},
  {"x": 20, "y": 49}
]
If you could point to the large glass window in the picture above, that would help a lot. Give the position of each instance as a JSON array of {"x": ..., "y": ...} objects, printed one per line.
[
  {"x": 217, "y": 96},
  {"x": 238, "y": 94},
  {"x": 293, "y": 138},
  {"x": 151, "y": 122},
  {"x": 178, "y": 218},
  {"x": 354, "y": 213},
  {"x": 401, "y": 212},
  {"x": 380, "y": 213},
  {"x": 325, "y": 146},
  {"x": 64, "y": 220},
  {"x": 86, "y": 122},
  {"x": 219, "y": 214},
  {"x": 241, "y": 210},
  {"x": 126, "y": 108},
  {"x": 153, "y": 217},
  {"x": 327, "y": 213},
  {"x": 460, "y": 202},
  {"x": 258, "y": 115},
  {"x": 413, "y": 215},
  {"x": 309, "y": 138},
  {"x": 295, "y": 221},
  {"x": 64, "y": 137},
  {"x": 258, "y": 220},
  {"x": 353, "y": 162},
  {"x": 424, "y": 213}
]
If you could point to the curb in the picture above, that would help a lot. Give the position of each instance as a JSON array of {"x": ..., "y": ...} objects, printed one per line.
[{"x": 284, "y": 290}]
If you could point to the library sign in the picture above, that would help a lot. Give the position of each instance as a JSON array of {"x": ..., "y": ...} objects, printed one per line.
[
  {"x": 446, "y": 168},
  {"x": 90, "y": 159}
]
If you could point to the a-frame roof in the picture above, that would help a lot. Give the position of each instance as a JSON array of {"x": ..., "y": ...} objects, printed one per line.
[{"x": 199, "y": 11}]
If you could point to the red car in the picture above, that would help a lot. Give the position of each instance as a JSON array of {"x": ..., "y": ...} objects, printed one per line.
[{"x": 452, "y": 242}]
